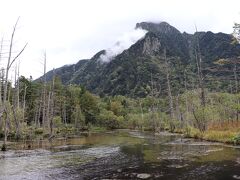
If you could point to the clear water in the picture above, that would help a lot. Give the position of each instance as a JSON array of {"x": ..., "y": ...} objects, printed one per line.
[{"x": 120, "y": 155}]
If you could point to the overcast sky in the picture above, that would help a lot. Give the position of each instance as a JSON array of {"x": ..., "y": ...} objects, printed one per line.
[{"x": 70, "y": 30}]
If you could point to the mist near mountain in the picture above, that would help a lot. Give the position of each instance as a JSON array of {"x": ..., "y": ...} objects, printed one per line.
[{"x": 123, "y": 43}]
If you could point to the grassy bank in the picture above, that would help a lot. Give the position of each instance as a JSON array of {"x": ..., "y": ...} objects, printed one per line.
[{"x": 228, "y": 132}]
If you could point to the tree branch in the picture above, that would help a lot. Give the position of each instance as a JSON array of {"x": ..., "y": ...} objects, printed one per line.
[{"x": 18, "y": 55}]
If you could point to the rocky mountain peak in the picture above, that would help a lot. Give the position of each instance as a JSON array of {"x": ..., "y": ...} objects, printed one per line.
[{"x": 162, "y": 27}]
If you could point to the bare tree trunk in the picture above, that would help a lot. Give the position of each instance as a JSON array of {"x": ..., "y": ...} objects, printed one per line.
[
  {"x": 48, "y": 109},
  {"x": 1, "y": 103},
  {"x": 141, "y": 113},
  {"x": 64, "y": 114},
  {"x": 200, "y": 81},
  {"x": 178, "y": 113},
  {"x": 235, "y": 77},
  {"x": 52, "y": 106},
  {"x": 202, "y": 124},
  {"x": 169, "y": 92},
  {"x": 18, "y": 86},
  {"x": 186, "y": 100},
  {"x": 16, "y": 120},
  {"x": 9, "y": 63},
  {"x": 200, "y": 74},
  {"x": 2, "y": 73},
  {"x": 1, "y": 80},
  {"x": 39, "y": 114},
  {"x": 15, "y": 88},
  {"x": 36, "y": 115},
  {"x": 185, "y": 86},
  {"x": 44, "y": 92},
  {"x": 15, "y": 105},
  {"x": 5, "y": 131},
  {"x": 152, "y": 107},
  {"x": 24, "y": 101},
  {"x": 9, "y": 93},
  {"x": 236, "y": 87}
]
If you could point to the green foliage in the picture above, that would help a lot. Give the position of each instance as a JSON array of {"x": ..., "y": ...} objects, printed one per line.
[
  {"x": 236, "y": 139},
  {"x": 110, "y": 120},
  {"x": 98, "y": 129},
  {"x": 88, "y": 104},
  {"x": 116, "y": 107},
  {"x": 39, "y": 131},
  {"x": 135, "y": 121},
  {"x": 57, "y": 121},
  {"x": 77, "y": 117}
]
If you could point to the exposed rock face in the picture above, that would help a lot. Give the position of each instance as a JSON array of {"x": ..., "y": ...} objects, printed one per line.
[
  {"x": 151, "y": 45},
  {"x": 132, "y": 72}
]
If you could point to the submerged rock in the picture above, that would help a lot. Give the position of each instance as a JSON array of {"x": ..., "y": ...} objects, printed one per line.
[
  {"x": 177, "y": 166},
  {"x": 238, "y": 160},
  {"x": 143, "y": 176},
  {"x": 214, "y": 150},
  {"x": 236, "y": 177},
  {"x": 119, "y": 170}
]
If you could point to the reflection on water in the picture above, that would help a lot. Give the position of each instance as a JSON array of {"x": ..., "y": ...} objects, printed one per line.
[{"x": 120, "y": 155}]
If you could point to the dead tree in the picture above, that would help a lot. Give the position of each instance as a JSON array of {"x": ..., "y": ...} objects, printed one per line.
[
  {"x": 169, "y": 91},
  {"x": 15, "y": 106},
  {"x": 186, "y": 98},
  {"x": 50, "y": 107},
  {"x": 10, "y": 62},
  {"x": 155, "y": 92},
  {"x": 64, "y": 111},
  {"x": 235, "y": 70},
  {"x": 200, "y": 73},
  {"x": 44, "y": 117},
  {"x": 18, "y": 86},
  {"x": 200, "y": 121},
  {"x": 24, "y": 100}
]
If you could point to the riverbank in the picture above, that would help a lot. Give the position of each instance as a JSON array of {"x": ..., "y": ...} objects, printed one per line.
[{"x": 227, "y": 136}]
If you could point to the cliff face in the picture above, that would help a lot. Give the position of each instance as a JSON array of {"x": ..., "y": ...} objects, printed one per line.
[{"x": 136, "y": 70}]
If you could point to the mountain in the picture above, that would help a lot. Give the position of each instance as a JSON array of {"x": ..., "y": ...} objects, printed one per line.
[{"x": 141, "y": 68}]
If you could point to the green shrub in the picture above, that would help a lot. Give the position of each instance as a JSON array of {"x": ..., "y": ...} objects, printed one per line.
[
  {"x": 38, "y": 131},
  {"x": 108, "y": 119},
  {"x": 57, "y": 121},
  {"x": 236, "y": 139}
]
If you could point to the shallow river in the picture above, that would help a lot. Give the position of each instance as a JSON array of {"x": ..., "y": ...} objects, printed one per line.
[{"x": 120, "y": 155}]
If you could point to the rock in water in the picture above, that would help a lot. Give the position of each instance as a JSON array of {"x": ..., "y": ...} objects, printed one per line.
[
  {"x": 236, "y": 177},
  {"x": 144, "y": 176}
]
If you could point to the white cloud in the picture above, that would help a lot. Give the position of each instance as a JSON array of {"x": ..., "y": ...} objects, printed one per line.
[{"x": 123, "y": 42}]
